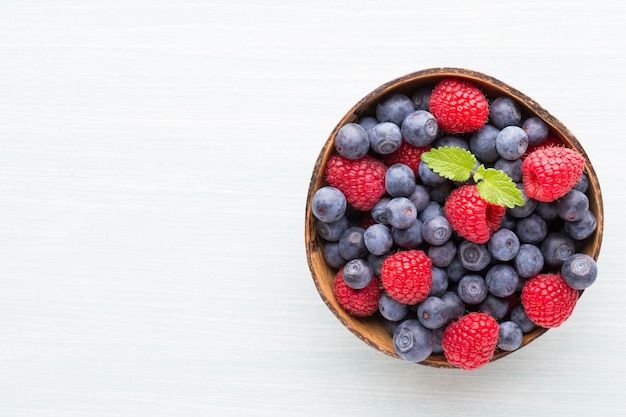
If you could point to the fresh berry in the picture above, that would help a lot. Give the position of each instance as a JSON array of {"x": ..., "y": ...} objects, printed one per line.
[
  {"x": 496, "y": 307},
  {"x": 385, "y": 138},
  {"x": 459, "y": 106},
  {"x": 548, "y": 300},
  {"x": 512, "y": 142},
  {"x": 512, "y": 168},
  {"x": 510, "y": 336},
  {"x": 583, "y": 228},
  {"x": 421, "y": 96},
  {"x": 368, "y": 123},
  {"x": 525, "y": 209},
  {"x": 362, "y": 181},
  {"x": 470, "y": 342},
  {"x": 456, "y": 270},
  {"x": 572, "y": 206},
  {"x": 406, "y": 154},
  {"x": 546, "y": 210},
  {"x": 440, "y": 281},
  {"x": 332, "y": 256},
  {"x": 407, "y": 276},
  {"x": 419, "y": 128},
  {"x": 352, "y": 243},
  {"x": 379, "y": 211},
  {"x": 412, "y": 341},
  {"x": 582, "y": 184},
  {"x": 529, "y": 261},
  {"x": 352, "y": 141},
  {"x": 399, "y": 180},
  {"x": 436, "y": 230},
  {"x": 449, "y": 140},
  {"x": 409, "y": 238},
  {"x": 555, "y": 248},
  {"x": 376, "y": 262},
  {"x": 357, "y": 274},
  {"x": 401, "y": 212},
  {"x": 531, "y": 229},
  {"x": 420, "y": 197},
  {"x": 454, "y": 305},
  {"x": 483, "y": 143},
  {"x": 473, "y": 256},
  {"x": 432, "y": 312},
  {"x": 394, "y": 108},
  {"x": 432, "y": 209},
  {"x": 503, "y": 245},
  {"x": 501, "y": 280},
  {"x": 428, "y": 176},
  {"x": 519, "y": 316},
  {"x": 332, "y": 231},
  {"x": 391, "y": 309},
  {"x": 328, "y": 204},
  {"x": 504, "y": 111},
  {"x": 378, "y": 239},
  {"x": 579, "y": 271},
  {"x": 472, "y": 217},
  {"x": 550, "y": 173},
  {"x": 442, "y": 255},
  {"x": 472, "y": 289},
  {"x": 359, "y": 303},
  {"x": 536, "y": 130}
]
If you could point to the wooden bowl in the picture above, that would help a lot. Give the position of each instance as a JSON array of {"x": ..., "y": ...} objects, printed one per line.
[{"x": 371, "y": 330}]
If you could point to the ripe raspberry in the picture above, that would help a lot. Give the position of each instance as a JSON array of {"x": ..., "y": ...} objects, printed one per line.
[
  {"x": 406, "y": 154},
  {"x": 548, "y": 300},
  {"x": 362, "y": 181},
  {"x": 470, "y": 342},
  {"x": 550, "y": 173},
  {"x": 359, "y": 303},
  {"x": 407, "y": 276},
  {"x": 472, "y": 217},
  {"x": 458, "y": 106}
]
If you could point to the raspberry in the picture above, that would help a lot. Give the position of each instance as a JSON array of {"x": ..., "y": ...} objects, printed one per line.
[
  {"x": 362, "y": 181},
  {"x": 359, "y": 303},
  {"x": 549, "y": 173},
  {"x": 407, "y": 276},
  {"x": 408, "y": 155},
  {"x": 458, "y": 106},
  {"x": 470, "y": 342},
  {"x": 472, "y": 217},
  {"x": 548, "y": 300}
]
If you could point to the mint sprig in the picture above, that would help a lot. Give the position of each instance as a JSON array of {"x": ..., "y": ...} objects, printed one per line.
[{"x": 458, "y": 164}]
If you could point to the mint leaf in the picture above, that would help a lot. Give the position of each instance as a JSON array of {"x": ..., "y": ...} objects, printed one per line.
[
  {"x": 497, "y": 188},
  {"x": 451, "y": 162}
]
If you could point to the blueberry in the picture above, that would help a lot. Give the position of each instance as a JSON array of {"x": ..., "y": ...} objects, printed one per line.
[
  {"x": 547, "y": 210},
  {"x": 472, "y": 289},
  {"x": 483, "y": 143},
  {"x": 368, "y": 123},
  {"x": 408, "y": 238},
  {"x": 357, "y": 274},
  {"x": 454, "y": 304},
  {"x": 524, "y": 210},
  {"x": 328, "y": 204},
  {"x": 496, "y": 307},
  {"x": 352, "y": 141},
  {"x": 352, "y": 243},
  {"x": 419, "y": 128},
  {"x": 455, "y": 270},
  {"x": 428, "y": 176},
  {"x": 531, "y": 229},
  {"x": 378, "y": 239},
  {"x": 503, "y": 244},
  {"x": 420, "y": 197},
  {"x": 379, "y": 211},
  {"x": 399, "y": 180},
  {"x": 385, "y": 138},
  {"x": 536, "y": 129},
  {"x": 582, "y": 184},
  {"x": 436, "y": 230},
  {"x": 412, "y": 341},
  {"x": 391, "y": 326},
  {"x": 579, "y": 271},
  {"x": 504, "y": 111},
  {"x": 440, "y": 281},
  {"x": 432, "y": 312},
  {"x": 529, "y": 261},
  {"x": 501, "y": 280},
  {"x": 332, "y": 256},
  {"x": 519, "y": 317},
  {"x": 421, "y": 97},
  {"x": 376, "y": 262},
  {"x": 452, "y": 141},
  {"x": 583, "y": 228},
  {"x": 555, "y": 248},
  {"x": 401, "y": 212},
  {"x": 512, "y": 168},
  {"x": 442, "y": 255},
  {"x": 572, "y": 206},
  {"x": 432, "y": 209},
  {"x": 394, "y": 108},
  {"x": 332, "y": 231},
  {"x": 509, "y": 336},
  {"x": 511, "y": 142},
  {"x": 473, "y": 256},
  {"x": 438, "y": 334},
  {"x": 390, "y": 308},
  {"x": 440, "y": 193},
  {"x": 508, "y": 221}
]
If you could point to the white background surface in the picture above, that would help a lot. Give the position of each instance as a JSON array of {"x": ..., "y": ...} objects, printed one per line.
[{"x": 154, "y": 163}]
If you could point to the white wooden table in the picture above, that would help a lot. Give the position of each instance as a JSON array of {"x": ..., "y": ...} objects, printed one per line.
[{"x": 154, "y": 163}]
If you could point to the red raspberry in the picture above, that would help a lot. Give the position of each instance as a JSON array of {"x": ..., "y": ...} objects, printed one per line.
[
  {"x": 458, "y": 106},
  {"x": 408, "y": 155},
  {"x": 407, "y": 276},
  {"x": 359, "y": 303},
  {"x": 548, "y": 300},
  {"x": 472, "y": 217},
  {"x": 362, "y": 181},
  {"x": 470, "y": 342},
  {"x": 549, "y": 173}
]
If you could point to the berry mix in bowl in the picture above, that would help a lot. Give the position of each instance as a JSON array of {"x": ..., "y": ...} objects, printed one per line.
[{"x": 451, "y": 220}]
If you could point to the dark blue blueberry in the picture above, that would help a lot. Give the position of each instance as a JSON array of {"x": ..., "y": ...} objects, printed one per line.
[
  {"x": 412, "y": 341},
  {"x": 394, "y": 108},
  {"x": 379, "y": 211},
  {"x": 529, "y": 261},
  {"x": 496, "y": 307},
  {"x": 472, "y": 289},
  {"x": 547, "y": 210},
  {"x": 454, "y": 305},
  {"x": 536, "y": 129},
  {"x": 504, "y": 111},
  {"x": 328, "y": 204},
  {"x": 399, "y": 180},
  {"x": 352, "y": 141},
  {"x": 508, "y": 221},
  {"x": 432, "y": 312},
  {"x": 401, "y": 212},
  {"x": 524, "y": 210},
  {"x": 440, "y": 281},
  {"x": 509, "y": 336},
  {"x": 473, "y": 256},
  {"x": 452, "y": 141},
  {"x": 501, "y": 280},
  {"x": 555, "y": 248},
  {"x": 531, "y": 229},
  {"x": 511, "y": 142},
  {"x": 432, "y": 209},
  {"x": 438, "y": 334},
  {"x": 582, "y": 184},
  {"x": 385, "y": 138},
  {"x": 583, "y": 228},
  {"x": 332, "y": 231},
  {"x": 378, "y": 239},
  {"x": 357, "y": 273},
  {"x": 376, "y": 262},
  {"x": 442, "y": 255},
  {"x": 428, "y": 176},
  {"x": 421, "y": 97},
  {"x": 572, "y": 206},
  {"x": 483, "y": 144},
  {"x": 579, "y": 271},
  {"x": 455, "y": 270},
  {"x": 420, "y": 197},
  {"x": 390, "y": 308},
  {"x": 391, "y": 326},
  {"x": 419, "y": 128},
  {"x": 440, "y": 193},
  {"x": 368, "y": 123},
  {"x": 332, "y": 256},
  {"x": 519, "y": 317},
  {"x": 503, "y": 244},
  {"x": 436, "y": 230},
  {"x": 511, "y": 168},
  {"x": 352, "y": 243},
  {"x": 408, "y": 238}
]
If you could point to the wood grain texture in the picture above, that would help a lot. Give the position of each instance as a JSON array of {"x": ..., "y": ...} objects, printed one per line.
[{"x": 155, "y": 158}]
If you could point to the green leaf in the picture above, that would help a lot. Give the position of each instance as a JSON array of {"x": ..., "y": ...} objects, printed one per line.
[
  {"x": 497, "y": 188},
  {"x": 450, "y": 162}
]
